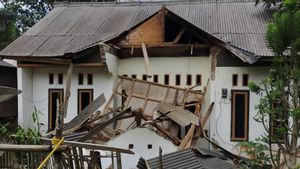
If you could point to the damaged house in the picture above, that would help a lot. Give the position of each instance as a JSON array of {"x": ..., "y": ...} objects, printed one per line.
[{"x": 199, "y": 53}]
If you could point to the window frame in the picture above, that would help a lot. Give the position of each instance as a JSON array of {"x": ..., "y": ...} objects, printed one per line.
[
  {"x": 155, "y": 78},
  {"x": 245, "y": 79},
  {"x": 235, "y": 81},
  {"x": 50, "y": 115},
  {"x": 60, "y": 78},
  {"x": 167, "y": 79},
  {"x": 198, "y": 79},
  {"x": 79, "y": 91},
  {"x": 178, "y": 82},
  {"x": 90, "y": 79},
  {"x": 79, "y": 79},
  {"x": 189, "y": 79}
]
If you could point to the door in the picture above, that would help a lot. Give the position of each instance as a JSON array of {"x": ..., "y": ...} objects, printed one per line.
[
  {"x": 85, "y": 97},
  {"x": 55, "y": 98},
  {"x": 239, "y": 115}
]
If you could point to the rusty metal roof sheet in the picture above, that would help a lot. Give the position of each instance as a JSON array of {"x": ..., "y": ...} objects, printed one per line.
[
  {"x": 178, "y": 114},
  {"x": 69, "y": 28}
]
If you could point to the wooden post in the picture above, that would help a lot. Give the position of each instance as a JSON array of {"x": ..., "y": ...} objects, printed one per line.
[
  {"x": 119, "y": 162},
  {"x": 146, "y": 57},
  {"x": 62, "y": 112},
  {"x": 160, "y": 165}
]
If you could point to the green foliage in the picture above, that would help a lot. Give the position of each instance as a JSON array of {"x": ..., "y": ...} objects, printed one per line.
[
  {"x": 17, "y": 16},
  {"x": 21, "y": 135},
  {"x": 279, "y": 107},
  {"x": 257, "y": 150}
]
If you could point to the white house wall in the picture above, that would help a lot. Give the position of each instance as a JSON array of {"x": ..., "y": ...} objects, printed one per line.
[
  {"x": 220, "y": 119},
  {"x": 25, "y": 104},
  {"x": 102, "y": 82},
  {"x": 140, "y": 138}
]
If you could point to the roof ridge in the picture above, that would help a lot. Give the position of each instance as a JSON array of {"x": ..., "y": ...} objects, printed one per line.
[{"x": 145, "y": 3}]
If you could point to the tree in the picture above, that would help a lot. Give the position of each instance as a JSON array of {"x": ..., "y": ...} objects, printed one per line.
[
  {"x": 279, "y": 107},
  {"x": 268, "y": 3},
  {"x": 17, "y": 16}
]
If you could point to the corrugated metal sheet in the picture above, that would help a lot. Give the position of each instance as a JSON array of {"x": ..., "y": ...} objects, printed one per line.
[
  {"x": 178, "y": 114},
  {"x": 188, "y": 158},
  {"x": 7, "y": 93},
  {"x": 84, "y": 114},
  {"x": 75, "y": 26}
]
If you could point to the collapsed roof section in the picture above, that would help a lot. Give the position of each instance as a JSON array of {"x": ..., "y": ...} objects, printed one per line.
[
  {"x": 75, "y": 27},
  {"x": 144, "y": 103}
]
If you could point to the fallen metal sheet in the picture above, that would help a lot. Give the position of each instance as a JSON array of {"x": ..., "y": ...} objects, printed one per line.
[
  {"x": 84, "y": 115},
  {"x": 178, "y": 114},
  {"x": 7, "y": 93}
]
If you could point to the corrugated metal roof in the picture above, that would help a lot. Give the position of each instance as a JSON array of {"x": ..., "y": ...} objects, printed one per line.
[
  {"x": 178, "y": 114},
  {"x": 72, "y": 27},
  {"x": 188, "y": 158}
]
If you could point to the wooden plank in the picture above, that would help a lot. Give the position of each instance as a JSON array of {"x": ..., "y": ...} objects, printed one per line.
[
  {"x": 75, "y": 157},
  {"x": 103, "y": 125},
  {"x": 92, "y": 146},
  {"x": 207, "y": 114},
  {"x": 146, "y": 59},
  {"x": 175, "y": 140},
  {"x": 67, "y": 93},
  {"x": 80, "y": 153},
  {"x": 178, "y": 36},
  {"x": 28, "y": 148},
  {"x": 119, "y": 162}
]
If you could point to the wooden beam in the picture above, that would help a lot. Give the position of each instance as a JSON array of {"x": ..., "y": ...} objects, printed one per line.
[
  {"x": 146, "y": 58},
  {"x": 60, "y": 65},
  {"x": 179, "y": 36},
  {"x": 166, "y": 44},
  {"x": 103, "y": 125},
  {"x": 29, "y": 148},
  {"x": 175, "y": 140},
  {"x": 92, "y": 146},
  {"x": 206, "y": 116},
  {"x": 49, "y": 60},
  {"x": 68, "y": 86}
]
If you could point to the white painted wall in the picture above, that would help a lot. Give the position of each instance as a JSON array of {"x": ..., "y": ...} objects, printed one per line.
[
  {"x": 25, "y": 104},
  {"x": 220, "y": 119},
  {"x": 39, "y": 82},
  {"x": 140, "y": 138}
]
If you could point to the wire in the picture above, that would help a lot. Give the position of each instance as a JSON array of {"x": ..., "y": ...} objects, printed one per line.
[{"x": 216, "y": 126}]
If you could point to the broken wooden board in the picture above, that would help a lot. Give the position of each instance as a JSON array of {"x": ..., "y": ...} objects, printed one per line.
[
  {"x": 178, "y": 114},
  {"x": 101, "y": 126},
  {"x": 84, "y": 115}
]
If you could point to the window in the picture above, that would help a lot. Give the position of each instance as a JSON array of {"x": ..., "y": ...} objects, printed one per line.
[
  {"x": 60, "y": 78},
  {"x": 189, "y": 79},
  {"x": 130, "y": 146},
  {"x": 245, "y": 79},
  {"x": 149, "y": 146},
  {"x": 198, "y": 79},
  {"x": 155, "y": 78},
  {"x": 55, "y": 98},
  {"x": 85, "y": 97},
  {"x": 239, "y": 115},
  {"x": 145, "y": 77},
  {"x": 51, "y": 78},
  {"x": 133, "y": 76},
  {"x": 80, "y": 79},
  {"x": 125, "y": 75},
  {"x": 234, "y": 80},
  {"x": 167, "y": 80},
  {"x": 177, "y": 80},
  {"x": 90, "y": 79}
]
